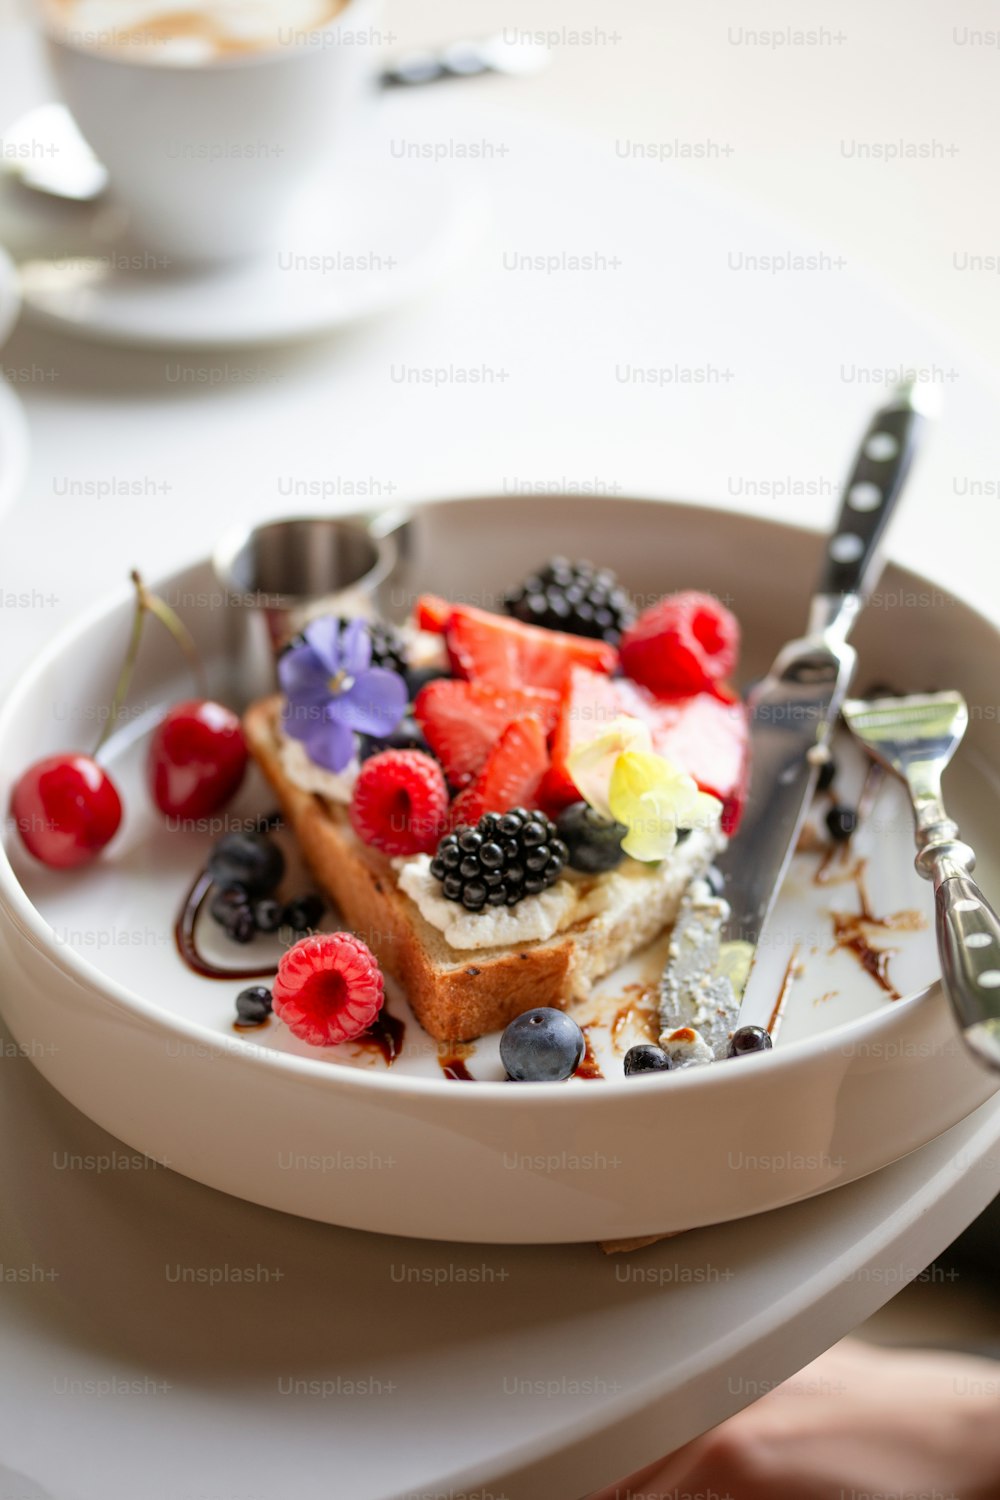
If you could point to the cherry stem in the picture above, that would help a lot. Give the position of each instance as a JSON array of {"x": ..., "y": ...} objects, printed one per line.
[
  {"x": 149, "y": 603},
  {"x": 173, "y": 622},
  {"x": 125, "y": 675}
]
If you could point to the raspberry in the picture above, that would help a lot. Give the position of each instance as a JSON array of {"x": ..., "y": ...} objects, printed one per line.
[
  {"x": 685, "y": 644},
  {"x": 328, "y": 988},
  {"x": 400, "y": 802}
]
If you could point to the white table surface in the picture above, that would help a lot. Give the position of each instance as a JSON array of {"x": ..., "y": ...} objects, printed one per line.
[{"x": 658, "y": 1362}]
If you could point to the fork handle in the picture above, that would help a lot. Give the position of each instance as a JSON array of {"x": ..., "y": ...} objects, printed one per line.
[{"x": 968, "y": 936}]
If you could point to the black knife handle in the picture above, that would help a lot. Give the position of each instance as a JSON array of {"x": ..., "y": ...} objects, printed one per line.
[{"x": 870, "y": 495}]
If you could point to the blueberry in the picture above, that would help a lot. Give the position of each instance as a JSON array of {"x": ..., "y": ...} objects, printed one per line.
[
  {"x": 419, "y": 677},
  {"x": 542, "y": 1046},
  {"x": 646, "y": 1058},
  {"x": 407, "y": 735},
  {"x": 594, "y": 843},
  {"x": 827, "y": 774},
  {"x": 241, "y": 926},
  {"x": 749, "y": 1039},
  {"x": 304, "y": 913},
  {"x": 267, "y": 914},
  {"x": 841, "y": 821},
  {"x": 226, "y": 902},
  {"x": 253, "y": 1005},
  {"x": 251, "y": 860}
]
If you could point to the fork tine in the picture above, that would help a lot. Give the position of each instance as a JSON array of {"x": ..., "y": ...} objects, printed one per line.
[{"x": 897, "y": 730}]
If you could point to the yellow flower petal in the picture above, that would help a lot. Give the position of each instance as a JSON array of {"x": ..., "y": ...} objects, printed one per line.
[
  {"x": 591, "y": 765},
  {"x": 654, "y": 799}
]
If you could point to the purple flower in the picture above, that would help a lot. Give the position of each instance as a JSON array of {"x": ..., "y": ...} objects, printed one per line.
[{"x": 333, "y": 691}]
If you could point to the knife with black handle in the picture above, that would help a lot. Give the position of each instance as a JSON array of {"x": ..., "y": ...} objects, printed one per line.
[{"x": 793, "y": 709}]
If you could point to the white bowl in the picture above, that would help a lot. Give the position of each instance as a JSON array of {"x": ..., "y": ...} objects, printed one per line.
[{"x": 97, "y": 996}]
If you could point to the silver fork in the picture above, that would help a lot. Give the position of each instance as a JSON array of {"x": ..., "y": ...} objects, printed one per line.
[{"x": 916, "y": 738}]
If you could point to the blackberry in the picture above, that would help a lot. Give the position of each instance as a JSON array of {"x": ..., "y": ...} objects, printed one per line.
[
  {"x": 573, "y": 596},
  {"x": 388, "y": 649},
  {"x": 506, "y": 857}
]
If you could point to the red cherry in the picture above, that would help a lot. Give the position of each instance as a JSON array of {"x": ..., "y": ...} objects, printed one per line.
[
  {"x": 66, "y": 809},
  {"x": 197, "y": 759}
]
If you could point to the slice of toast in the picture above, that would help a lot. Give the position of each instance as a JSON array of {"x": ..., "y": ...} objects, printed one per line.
[{"x": 455, "y": 994}]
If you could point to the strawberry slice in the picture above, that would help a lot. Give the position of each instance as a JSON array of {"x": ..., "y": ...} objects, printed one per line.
[
  {"x": 506, "y": 653},
  {"x": 432, "y": 613},
  {"x": 704, "y": 734},
  {"x": 462, "y": 721},
  {"x": 511, "y": 776}
]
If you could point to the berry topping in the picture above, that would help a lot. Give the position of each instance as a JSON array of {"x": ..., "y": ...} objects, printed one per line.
[
  {"x": 226, "y": 901},
  {"x": 197, "y": 759},
  {"x": 704, "y": 735},
  {"x": 749, "y": 1039},
  {"x": 573, "y": 596},
  {"x": 253, "y": 1006},
  {"x": 842, "y": 822},
  {"x": 463, "y": 721},
  {"x": 240, "y": 925},
  {"x": 303, "y": 914},
  {"x": 511, "y": 776},
  {"x": 646, "y": 1058},
  {"x": 594, "y": 843},
  {"x": 249, "y": 860},
  {"x": 506, "y": 654},
  {"x": 827, "y": 774},
  {"x": 407, "y": 735},
  {"x": 388, "y": 647},
  {"x": 267, "y": 914},
  {"x": 66, "y": 809},
  {"x": 400, "y": 802},
  {"x": 328, "y": 988},
  {"x": 504, "y": 858},
  {"x": 542, "y": 1046},
  {"x": 685, "y": 644}
]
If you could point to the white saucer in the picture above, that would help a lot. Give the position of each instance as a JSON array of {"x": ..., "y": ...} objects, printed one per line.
[{"x": 384, "y": 233}]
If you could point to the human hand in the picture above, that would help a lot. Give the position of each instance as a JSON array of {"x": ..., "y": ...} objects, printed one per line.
[{"x": 915, "y": 1425}]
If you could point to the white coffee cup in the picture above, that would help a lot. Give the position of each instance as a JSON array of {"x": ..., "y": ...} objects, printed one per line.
[{"x": 208, "y": 157}]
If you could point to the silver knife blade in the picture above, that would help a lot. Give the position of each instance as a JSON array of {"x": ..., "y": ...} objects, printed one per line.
[{"x": 791, "y": 713}]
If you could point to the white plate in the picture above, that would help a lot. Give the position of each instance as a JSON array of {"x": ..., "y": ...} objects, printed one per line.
[
  {"x": 126, "y": 1032},
  {"x": 380, "y": 233}
]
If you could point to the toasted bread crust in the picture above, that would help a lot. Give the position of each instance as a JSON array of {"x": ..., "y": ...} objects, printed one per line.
[{"x": 456, "y": 996}]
